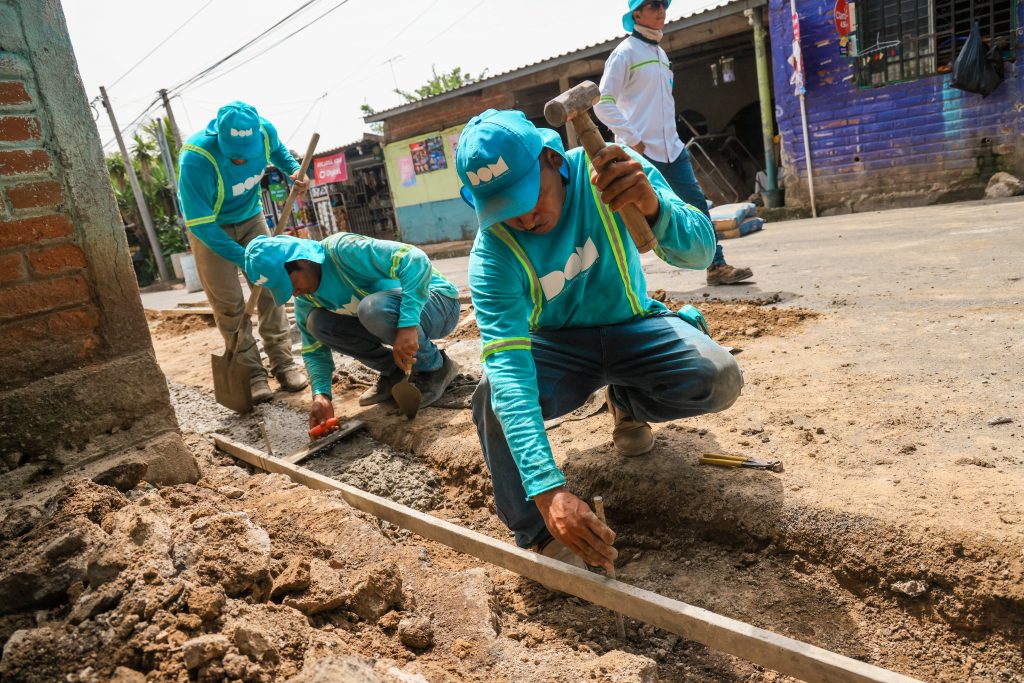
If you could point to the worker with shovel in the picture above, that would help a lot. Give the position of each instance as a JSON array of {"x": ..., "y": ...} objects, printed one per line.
[
  {"x": 562, "y": 306},
  {"x": 355, "y": 295},
  {"x": 220, "y": 169}
]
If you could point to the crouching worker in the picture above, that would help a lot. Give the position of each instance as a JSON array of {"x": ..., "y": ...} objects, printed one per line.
[
  {"x": 355, "y": 295},
  {"x": 561, "y": 302}
]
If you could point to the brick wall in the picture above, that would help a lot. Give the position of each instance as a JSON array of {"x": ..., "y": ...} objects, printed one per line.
[
  {"x": 49, "y": 321},
  {"x": 900, "y": 144},
  {"x": 80, "y": 385},
  {"x": 448, "y": 113}
]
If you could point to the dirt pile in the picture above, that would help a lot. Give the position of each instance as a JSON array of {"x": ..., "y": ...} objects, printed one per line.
[
  {"x": 729, "y": 321},
  {"x": 176, "y": 325},
  {"x": 249, "y": 578}
]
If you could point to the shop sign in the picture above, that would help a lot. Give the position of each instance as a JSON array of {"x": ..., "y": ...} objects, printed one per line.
[
  {"x": 842, "y": 18},
  {"x": 332, "y": 169}
]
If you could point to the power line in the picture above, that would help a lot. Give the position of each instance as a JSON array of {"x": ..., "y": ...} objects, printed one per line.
[
  {"x": 271, "y": 47},
  {"x": 263, "y": 34},
  {"x": 160, "y": 44},
  {"x": 310, "y": 111}
]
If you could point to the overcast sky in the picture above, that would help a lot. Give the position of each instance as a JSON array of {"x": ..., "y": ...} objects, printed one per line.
[{"x": 317, "y": 79}]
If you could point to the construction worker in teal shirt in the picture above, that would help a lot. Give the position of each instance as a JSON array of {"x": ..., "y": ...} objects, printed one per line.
[
  {"x": 357, "y": 295},
  {"x": 562, "y": 306},
  {"x": 220, "y": 169}
]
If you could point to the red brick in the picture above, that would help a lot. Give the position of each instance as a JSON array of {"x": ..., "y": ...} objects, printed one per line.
[
  {"x": 19, "y": 128},
  {"x": 70, "y": 337},
  {"x": 29, "y": 230},
  {"x": 33, "y": 195},
  {"x": 10, "y": 268},
  {"x": 56, "y": 259},
  {"x": 13, "y": 92},
  {"x": 18, "y": 161},
  {"x": 36, "y": 297}
]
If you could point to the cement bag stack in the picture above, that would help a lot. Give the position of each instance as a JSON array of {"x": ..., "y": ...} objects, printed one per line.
[{"x": 735, "y": 220}]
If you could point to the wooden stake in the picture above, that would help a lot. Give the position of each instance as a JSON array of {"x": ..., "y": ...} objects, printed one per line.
[
  {"x": 266, "y": 437},
  {"x": 771, "y": 650},
  {"x": 620, "y": 626}
]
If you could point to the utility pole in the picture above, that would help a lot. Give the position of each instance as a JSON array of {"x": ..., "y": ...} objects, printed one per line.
[
  {"x": 170, "y": 117},
  {"x": 140, "y": 200},
  {"x": 172, "y": 177}
]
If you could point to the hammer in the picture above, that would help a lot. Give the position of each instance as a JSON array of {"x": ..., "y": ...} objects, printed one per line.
[{"x": 572, "y": 107}]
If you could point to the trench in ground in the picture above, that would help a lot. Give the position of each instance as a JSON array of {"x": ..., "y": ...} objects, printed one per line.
[{"x": 751, "y": 575}]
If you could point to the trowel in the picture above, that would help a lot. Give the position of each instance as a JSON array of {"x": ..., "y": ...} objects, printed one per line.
[{"x": 407, "y": 396}]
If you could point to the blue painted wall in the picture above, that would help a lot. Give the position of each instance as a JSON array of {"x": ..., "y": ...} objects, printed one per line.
[
  {"x": 441, "y": 221},
  {"x": 905, "y": 143}
]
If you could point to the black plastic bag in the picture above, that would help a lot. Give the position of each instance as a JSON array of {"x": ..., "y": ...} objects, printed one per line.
[{"x": 973, "y": 69}]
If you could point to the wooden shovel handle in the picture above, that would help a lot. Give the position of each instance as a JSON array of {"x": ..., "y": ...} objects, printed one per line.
[{"x": 286, "y": 216}]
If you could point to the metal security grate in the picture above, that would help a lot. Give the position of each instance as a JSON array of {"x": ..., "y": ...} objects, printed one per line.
[{"x": 901, "y": 40}]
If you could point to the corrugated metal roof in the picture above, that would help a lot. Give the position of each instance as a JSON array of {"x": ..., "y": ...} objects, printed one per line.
[
  {"x": 722, "y": 9},
  {"x": 366, "y": 139}
]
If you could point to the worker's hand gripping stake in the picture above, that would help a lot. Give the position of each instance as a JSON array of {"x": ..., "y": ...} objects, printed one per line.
[
  {"x": 231, "y": 378},
  {"x": 572, "y": 108}
]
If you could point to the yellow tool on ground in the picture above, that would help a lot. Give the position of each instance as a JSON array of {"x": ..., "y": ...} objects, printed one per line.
[{"x": 730, "y": 460}]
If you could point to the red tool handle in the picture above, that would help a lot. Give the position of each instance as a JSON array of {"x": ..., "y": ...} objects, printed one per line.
[{"x": 324, "y": 427}]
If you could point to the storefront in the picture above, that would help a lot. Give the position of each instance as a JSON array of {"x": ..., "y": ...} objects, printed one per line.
[{"x": 351, "y": 192}]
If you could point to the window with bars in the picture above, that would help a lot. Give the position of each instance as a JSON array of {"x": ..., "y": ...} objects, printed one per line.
[{"x": 900, "y": 40}]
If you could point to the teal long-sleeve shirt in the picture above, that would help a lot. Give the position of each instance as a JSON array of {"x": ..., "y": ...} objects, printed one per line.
[
  {"x": 354, "y": 267},
  {"x": 213, "y": 190},
  {"x": 586, "y": 272}
]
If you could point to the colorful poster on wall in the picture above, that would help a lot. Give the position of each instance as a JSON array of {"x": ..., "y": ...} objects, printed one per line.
[
  {"x": 406, "y": 171},
  {"x": 332, "y": 169},
  {"x": 418, "y": 154},
  {"x": 435, "y": 153},
  {"x": 278, "y": 192},
  {"x": 796, "y": 59}
]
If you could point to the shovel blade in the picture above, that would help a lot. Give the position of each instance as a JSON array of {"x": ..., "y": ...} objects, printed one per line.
[
  {"x": 231, "y": 383},
  {"x": 408, "y": 398}
]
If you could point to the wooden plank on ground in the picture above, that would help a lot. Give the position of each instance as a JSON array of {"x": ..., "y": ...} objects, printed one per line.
[
  {"x": 341, "y": 432},
  {"x": 778, "y": 652}
]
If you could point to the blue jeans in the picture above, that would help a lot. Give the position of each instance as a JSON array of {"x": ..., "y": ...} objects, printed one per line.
[
  {"x": 375, "y": 324},
  {"x": 658, "y": 369},
  {"x": 680, "y": 177}
]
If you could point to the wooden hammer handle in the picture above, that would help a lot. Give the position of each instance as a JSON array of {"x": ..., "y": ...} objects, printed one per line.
[{"x": 635, "y": 222}]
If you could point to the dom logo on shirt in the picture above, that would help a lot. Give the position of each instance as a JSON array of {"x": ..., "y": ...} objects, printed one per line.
[
  {"x": 578, "y": 262},
  {"x": 238, "y": 189}
]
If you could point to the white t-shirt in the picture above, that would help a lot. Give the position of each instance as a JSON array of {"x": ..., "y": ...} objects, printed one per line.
[{"x": 636, "y": 99}]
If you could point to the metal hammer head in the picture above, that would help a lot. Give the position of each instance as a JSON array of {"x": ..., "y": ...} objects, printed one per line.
[{"x": 576, "y": 100}]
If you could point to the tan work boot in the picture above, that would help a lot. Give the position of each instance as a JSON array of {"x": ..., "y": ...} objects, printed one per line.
[
  {"x": 724, "y": 274},
  {"x": 630, "y": 436},
  {"x": 261, "y": 391},
  {"x": 292, "y": 379}
]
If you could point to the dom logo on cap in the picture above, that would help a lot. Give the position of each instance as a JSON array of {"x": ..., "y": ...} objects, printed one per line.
[{"x": 487, "y": 173}]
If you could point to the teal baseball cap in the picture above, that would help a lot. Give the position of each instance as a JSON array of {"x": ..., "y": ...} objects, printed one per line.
[
  {"x": 634, "y": 5},
  {"x": 497, "y": 160},
  {"x": 265, "y": 258},
  {"x": 238, "y": 131}
]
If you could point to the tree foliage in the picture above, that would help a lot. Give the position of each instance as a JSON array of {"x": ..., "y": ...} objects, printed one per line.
[
  {"x": 441, "y": 83},
  {"x": 157, "y": 190}
]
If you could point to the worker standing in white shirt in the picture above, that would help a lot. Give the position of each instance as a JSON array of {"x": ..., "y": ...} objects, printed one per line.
[{"x": 637, "y": 105}]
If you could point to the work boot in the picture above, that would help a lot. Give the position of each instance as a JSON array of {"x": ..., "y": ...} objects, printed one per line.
[
  {"x": 556, "y": 550},
  {"x": 630, "y": 436},
  {"x": 432, "y": 384},
  {"x": 261, "y": 391},
  {"x": 381, "y": 391},
  {"x": 291, "y": 379},
  {"x": 724, "y": 274}
]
